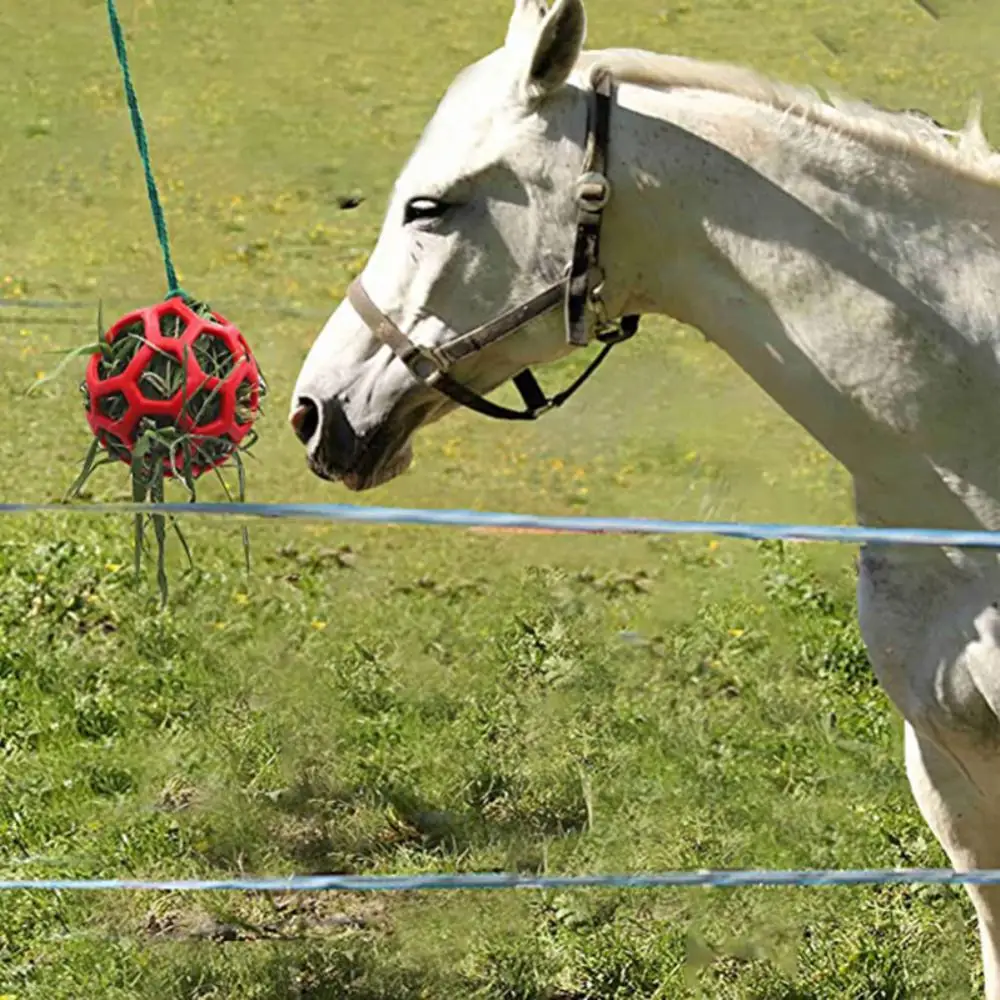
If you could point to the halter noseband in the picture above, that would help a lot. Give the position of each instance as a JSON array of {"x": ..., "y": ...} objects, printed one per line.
[{"x": 582, "y": 287}]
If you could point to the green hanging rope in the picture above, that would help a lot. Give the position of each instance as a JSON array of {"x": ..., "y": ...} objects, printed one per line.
[
  {"x": 154, "y": 448},
  {"x": 139, "y": 128}
]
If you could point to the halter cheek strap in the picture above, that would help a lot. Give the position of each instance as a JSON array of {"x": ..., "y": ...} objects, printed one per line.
[
  {"x": 429, "y": 365},
  {"x": 580, "y": 291}
]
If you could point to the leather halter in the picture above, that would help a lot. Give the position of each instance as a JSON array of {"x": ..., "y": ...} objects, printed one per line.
[{"x": 581, "y": 288}]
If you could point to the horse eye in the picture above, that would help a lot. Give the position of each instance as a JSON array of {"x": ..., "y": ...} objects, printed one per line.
[{"x": 423, "y": 208}]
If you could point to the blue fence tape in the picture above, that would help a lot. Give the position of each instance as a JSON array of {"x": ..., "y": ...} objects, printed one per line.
[
  {"x": 532, "y": 522},
  {"x": 492, "y": 881}
]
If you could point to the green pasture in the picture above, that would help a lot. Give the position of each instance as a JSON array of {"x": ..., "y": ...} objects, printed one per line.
[{"x": 408, "y": 700}]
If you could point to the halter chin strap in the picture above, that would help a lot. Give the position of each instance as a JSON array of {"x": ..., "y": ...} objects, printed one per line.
[{"x": 580, "y": 290}]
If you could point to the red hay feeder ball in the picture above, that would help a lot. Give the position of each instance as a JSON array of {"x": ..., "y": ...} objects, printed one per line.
[{"x": 170, "y": 368}]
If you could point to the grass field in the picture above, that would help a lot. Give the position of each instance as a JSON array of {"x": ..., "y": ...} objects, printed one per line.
[{"x": 399, "y": 700}]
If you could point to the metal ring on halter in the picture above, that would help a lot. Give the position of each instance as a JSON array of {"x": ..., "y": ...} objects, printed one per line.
[
  {"x": 424, "y": 365},
  {"x": 593, "y": 191}
]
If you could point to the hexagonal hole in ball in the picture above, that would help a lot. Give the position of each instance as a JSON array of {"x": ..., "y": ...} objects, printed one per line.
[
  {"x": 172, "y": 324},
  {"x": 124, "y": 347},
  {"x": 115, "y": 446},
  {"x": 213, "y": 355},
  {"x": 114, "y": 405},
  {"x": 162, "y": 378},
  {"x": 204, "y": 406},
  {"x": 245, "y": 411}
]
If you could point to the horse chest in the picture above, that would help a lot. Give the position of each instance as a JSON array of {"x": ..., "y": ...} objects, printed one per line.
[{"x": 932, "y": 629}]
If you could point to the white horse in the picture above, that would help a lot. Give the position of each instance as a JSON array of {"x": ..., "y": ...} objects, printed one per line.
[{"x": 845, "y": 257}]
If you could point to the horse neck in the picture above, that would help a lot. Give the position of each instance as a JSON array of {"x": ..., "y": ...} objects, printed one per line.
[{"x": 856, "y": 285}]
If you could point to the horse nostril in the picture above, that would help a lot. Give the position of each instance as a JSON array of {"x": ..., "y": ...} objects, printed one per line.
[{"x": 305, "y": 419}]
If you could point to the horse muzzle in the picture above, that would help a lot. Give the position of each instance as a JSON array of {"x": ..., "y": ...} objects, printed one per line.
[{"x": 336, "y": 453}]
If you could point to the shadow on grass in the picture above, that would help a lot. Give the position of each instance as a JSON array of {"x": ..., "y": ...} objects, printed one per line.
[{"x": 332, "y": 830}]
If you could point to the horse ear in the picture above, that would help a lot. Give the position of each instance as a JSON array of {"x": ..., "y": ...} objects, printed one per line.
[
  {"x": 553, "y": 47},
  {"x": 525, "y": 22}
]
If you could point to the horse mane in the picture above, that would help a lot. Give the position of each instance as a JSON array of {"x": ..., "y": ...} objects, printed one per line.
[{"x": 965, "y": 151}]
